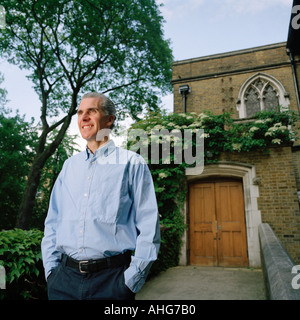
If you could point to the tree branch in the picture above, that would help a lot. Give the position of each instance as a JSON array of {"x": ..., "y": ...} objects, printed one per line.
[{"x": 124, "y": 85}]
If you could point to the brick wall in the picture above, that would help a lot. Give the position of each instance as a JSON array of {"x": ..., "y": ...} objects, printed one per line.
[
  {"x": 278, "y": 201},
  {"x": 215, "y": 83},
  {"x": 215, "y": 80},
  {"x": 296, "y": 159}
]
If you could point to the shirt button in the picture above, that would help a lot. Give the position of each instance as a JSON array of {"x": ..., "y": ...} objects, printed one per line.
[{"x": 85, "y": 194}]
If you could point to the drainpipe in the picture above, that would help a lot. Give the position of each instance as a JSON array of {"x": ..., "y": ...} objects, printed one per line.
[
  {"x": 294, "y": 77},
  {"x": 184, "y": 90}
]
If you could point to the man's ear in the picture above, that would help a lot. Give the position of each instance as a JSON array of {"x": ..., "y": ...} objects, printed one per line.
[{"x": 110, "y": 120}]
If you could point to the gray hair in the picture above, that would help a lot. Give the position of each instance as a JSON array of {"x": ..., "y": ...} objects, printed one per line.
[{"x": 107, "y": 106}]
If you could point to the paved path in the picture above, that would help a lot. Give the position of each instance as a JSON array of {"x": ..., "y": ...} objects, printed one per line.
[{"x": 205, "y": 283}]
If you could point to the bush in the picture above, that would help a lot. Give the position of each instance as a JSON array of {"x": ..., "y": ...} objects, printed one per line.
[
  {"x": 20, "y": 254},
  {"x": 171, "y": 235}
]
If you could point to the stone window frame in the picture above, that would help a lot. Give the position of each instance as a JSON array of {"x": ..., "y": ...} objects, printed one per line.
[{"x": 282, "y": 94}]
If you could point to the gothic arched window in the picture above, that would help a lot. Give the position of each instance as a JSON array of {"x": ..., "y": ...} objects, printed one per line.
[{"x": 261, "y": 92}]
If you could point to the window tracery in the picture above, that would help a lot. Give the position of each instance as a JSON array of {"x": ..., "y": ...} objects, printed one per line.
[{"x": 261, "y": 92}]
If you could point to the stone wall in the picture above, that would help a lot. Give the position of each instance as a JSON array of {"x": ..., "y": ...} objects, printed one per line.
[{"x": 280, "y": 271}]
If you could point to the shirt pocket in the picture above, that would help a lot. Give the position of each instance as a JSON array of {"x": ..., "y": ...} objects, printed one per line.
[
  {"x": 104, "y": 205},
  {"x": 109, "y": 194}
]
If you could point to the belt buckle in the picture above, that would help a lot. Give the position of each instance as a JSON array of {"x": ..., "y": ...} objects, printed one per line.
[{"x": 80, "y": 264}]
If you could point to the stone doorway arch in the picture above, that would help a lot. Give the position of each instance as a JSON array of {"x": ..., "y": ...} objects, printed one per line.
[{"x": 247, "y": 173}]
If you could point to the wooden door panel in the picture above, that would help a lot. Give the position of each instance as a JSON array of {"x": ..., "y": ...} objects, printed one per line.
[
  {"x": 202, "y": 233},
  {"x": 232, "y": 244},
  {"x": 204, "y": 250},
  {"x": 217, "y": 226},
  {"x": 225, "y": 226}
]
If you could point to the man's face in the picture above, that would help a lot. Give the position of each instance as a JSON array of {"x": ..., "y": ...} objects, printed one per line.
[{"x": 91, "y": 118}]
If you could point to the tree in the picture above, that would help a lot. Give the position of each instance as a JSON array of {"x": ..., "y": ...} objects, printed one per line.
[
  {"x": 17, "y": 139},
  {"x": 13, "y": 166},
  {"x": 48, "y": 177},
  {"x": 3, "y": 94},
  {"x": 74, "y": 46}
]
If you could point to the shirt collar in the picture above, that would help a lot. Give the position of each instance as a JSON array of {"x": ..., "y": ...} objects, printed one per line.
[{"x": 104, "y": 150}]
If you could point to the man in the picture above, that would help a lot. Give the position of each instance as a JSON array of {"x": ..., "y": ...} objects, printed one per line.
[{"x": 102, "y": 208}]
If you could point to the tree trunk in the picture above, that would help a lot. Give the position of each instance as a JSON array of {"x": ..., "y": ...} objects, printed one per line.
[
  {"x": 28, "y": 200},
  {"x": 34, "y": 177}
]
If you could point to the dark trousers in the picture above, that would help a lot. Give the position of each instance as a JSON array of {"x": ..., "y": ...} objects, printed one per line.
[{"x": 66, "y": 283}]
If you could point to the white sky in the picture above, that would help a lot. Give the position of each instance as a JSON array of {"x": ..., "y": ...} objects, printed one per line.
[{"x": 196, "y": 28}]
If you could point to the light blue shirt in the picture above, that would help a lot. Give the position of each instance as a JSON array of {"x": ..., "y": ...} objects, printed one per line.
[{"x": 101, "y": 205}]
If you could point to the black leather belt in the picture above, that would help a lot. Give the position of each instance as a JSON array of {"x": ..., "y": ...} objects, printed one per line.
[{"x": 90, "y": 266}]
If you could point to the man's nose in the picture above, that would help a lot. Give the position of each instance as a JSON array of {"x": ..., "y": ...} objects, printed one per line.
[{"x": 85, "y": 116}]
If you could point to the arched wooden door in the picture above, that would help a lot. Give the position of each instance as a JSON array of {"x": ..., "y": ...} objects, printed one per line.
[{"x": 217, "y": 224}]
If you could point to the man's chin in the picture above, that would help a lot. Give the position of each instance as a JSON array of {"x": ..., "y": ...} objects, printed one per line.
[{"x": 88, "y": 137}]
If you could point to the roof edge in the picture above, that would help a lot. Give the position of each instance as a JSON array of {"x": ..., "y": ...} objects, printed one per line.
[{"x": 231, "y": 53}]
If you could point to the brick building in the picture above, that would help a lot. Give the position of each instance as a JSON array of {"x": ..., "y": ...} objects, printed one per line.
[{"x": 229, "y": 199}]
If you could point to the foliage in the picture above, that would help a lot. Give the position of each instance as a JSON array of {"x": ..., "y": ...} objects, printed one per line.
[
  {"x": 73, "y": 46},
  {"x": 265, "y": 130},
  {"x": 221, "y": 133},
  {"x": 50, "y": 172},
  {"x": 17, "y": 139},
  {"x": 170, "y": 190},
  {"x": 20, "y": 254},
  {"x": 113, "y": 46},
  {"x": 3, "y": 93}
]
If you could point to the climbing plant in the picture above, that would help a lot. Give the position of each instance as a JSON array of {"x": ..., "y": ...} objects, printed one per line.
[{"x": 219, "y": 133}]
